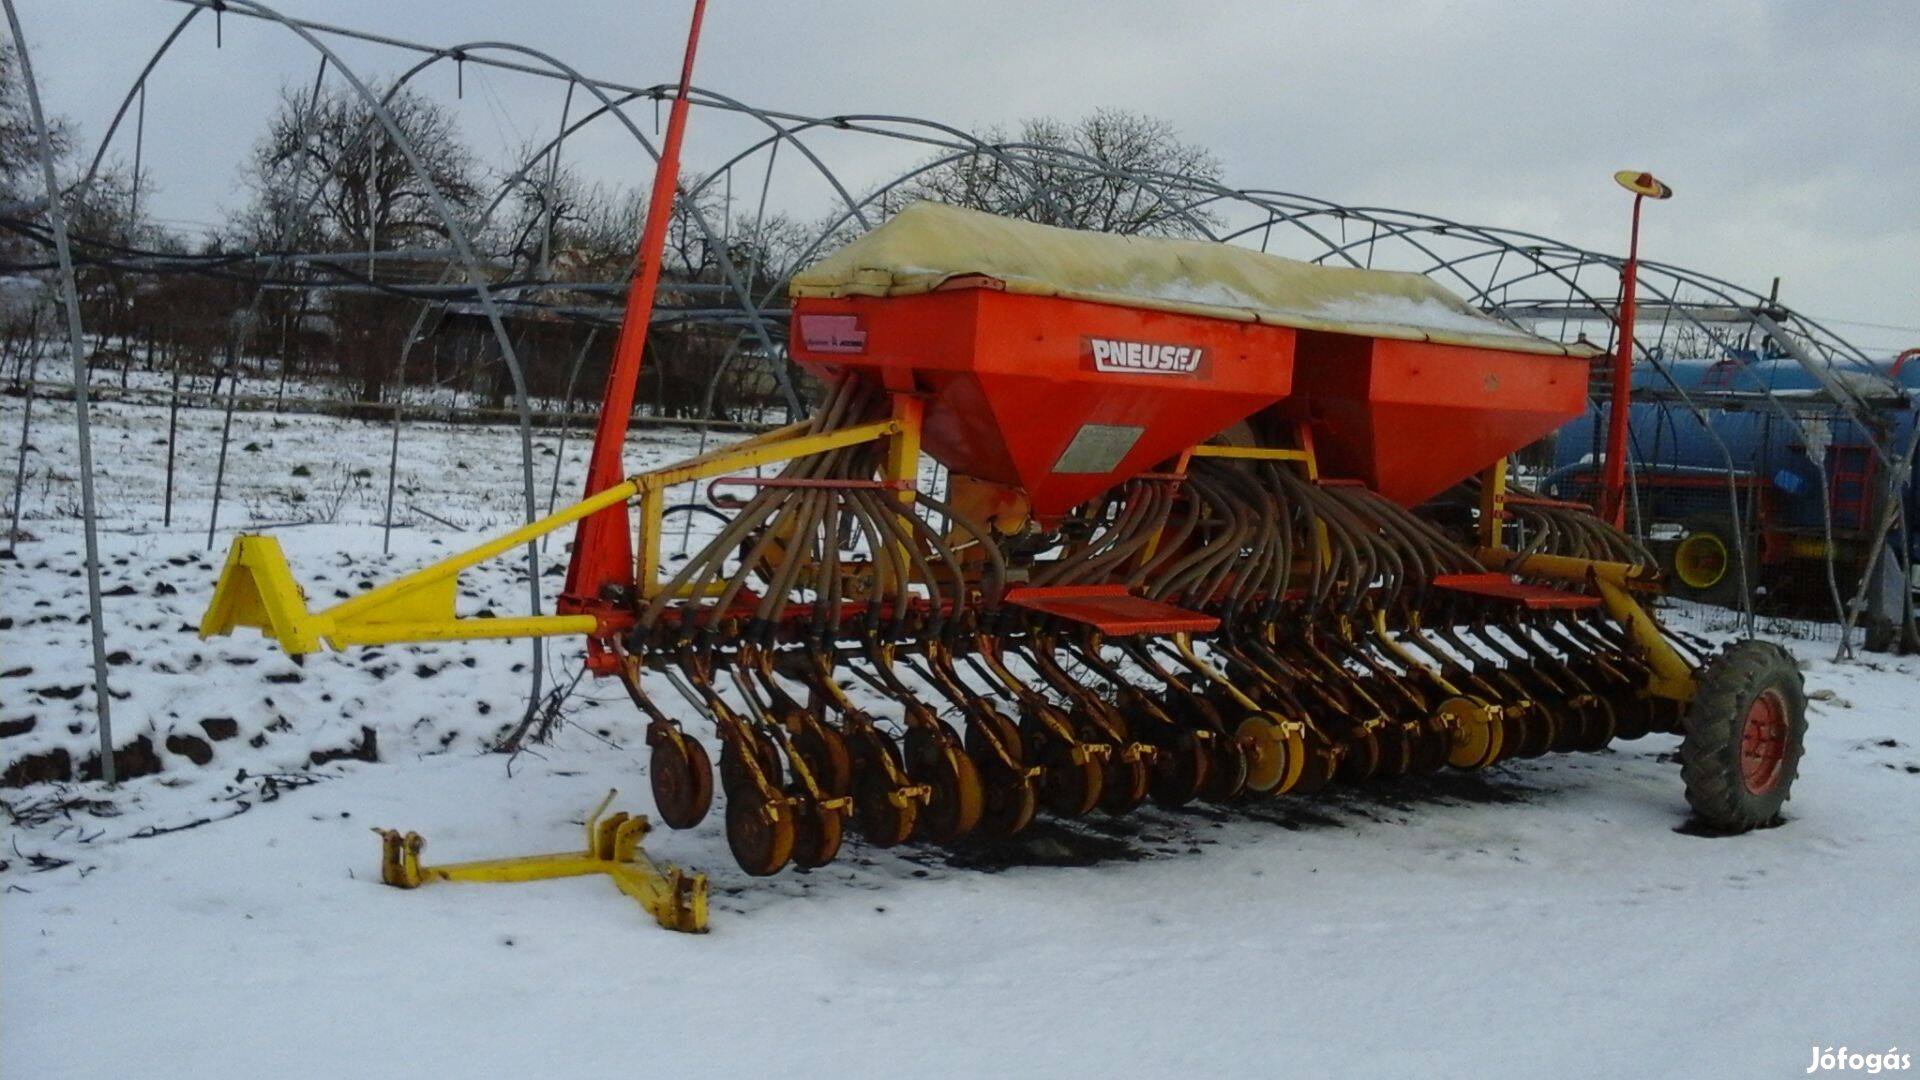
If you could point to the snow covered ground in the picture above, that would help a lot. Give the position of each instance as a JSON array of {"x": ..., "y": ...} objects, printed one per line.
[{"x": 1544, "y": 918}]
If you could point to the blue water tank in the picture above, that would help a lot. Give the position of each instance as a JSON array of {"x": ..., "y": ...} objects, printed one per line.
[{"x": 1670, "y": 442}]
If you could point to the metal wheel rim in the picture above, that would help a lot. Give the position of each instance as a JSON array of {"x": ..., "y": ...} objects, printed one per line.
[{"x": 1763, "y": 743}]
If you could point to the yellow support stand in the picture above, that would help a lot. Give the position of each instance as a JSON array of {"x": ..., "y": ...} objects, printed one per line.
[
  {"x": 677, "y": 900},
  {"x": 257, "y": 589}
]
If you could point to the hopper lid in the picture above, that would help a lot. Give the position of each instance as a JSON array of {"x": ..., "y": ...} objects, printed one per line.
[{"x": 928, "y": 244}]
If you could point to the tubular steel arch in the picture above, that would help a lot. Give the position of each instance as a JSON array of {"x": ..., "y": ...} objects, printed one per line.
[{"x": 1530, "y": 279}]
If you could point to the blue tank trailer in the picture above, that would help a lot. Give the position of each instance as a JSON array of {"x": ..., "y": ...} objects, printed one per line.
[{"x": 1696, "y": 519}]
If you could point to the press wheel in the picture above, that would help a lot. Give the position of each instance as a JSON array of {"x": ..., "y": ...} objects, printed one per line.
[
  {"x": 879, "y": 818},
  {"x": 734, "y": 775},
  {"x": 1008, "y": 800},
  {"x": 1068, "y": 788},
  {"x": 816, "y": 834},
  {"x": 1515, "y": 730},
  {"x": 1396, "y": 749},
  {"x": 1180, "y": 770},
  {"x": 1597, "y": 725},
  {"x": 1124, "y": 785},
  {"x": 761, "y": 842},
  {"x": 1571, "y": 731},
  {"x": 1318, "y": 763},
  {"x": 1269, "y": 758},
  {"x": 1543, "y": 731},
  {"x": 1361, "y": 759},
  {"x": 1633, "y": 718},
  {"x": 1431, "y": 743},
  {"x": 1476, "y": 734},
  {"x": 1006, "y": 731},
  {"x": 825, "y": 752},
  {"x": 953, "y": 807},
  {"x": 682, "y": 779},
  {"x": 1226, "y": 771}
]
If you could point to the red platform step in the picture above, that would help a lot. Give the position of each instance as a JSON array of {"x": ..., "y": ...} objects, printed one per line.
[{"x": 1111, "y": 610}]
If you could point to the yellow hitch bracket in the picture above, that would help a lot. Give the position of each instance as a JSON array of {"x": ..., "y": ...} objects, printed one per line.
[
  {"x": 676, "y": 899},
  {"x": 257, "y": 589},
  {"x": 1672, "y": 676},
  {"x": 1616, "y": 583}
]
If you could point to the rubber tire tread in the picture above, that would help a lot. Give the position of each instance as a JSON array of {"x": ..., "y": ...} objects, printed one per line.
[{"x": 1710, "y": 739}]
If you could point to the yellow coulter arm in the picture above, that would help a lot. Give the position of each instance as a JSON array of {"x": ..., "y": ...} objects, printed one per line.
[{"x": 257, "y": 588}]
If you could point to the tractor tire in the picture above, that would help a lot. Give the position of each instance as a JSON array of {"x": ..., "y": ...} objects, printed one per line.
[
  {"x": 1703, "y": 564},
  {"x": 1743, "y": 736}
]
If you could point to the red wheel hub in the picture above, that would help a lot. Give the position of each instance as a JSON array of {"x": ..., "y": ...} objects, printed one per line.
[{"x": 1763, "y": 743}]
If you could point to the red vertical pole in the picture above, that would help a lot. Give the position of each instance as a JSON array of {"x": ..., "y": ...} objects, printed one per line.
[
  {"x": 1613, "y": 483},
  {"x": 602, "y": 550}
]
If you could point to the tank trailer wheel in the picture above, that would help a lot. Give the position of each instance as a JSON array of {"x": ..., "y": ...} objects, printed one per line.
[
  {"x": 682, "y": 777},
  {"x": 1704, "y": 564},
  {"x": 1743, "y": 737}
]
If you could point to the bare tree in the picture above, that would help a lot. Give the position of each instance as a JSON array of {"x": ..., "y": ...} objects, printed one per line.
[
  {"x": 327, "y": 175},
  {"x": 365, "y": 194},
  {"x": 19, "y": 139},
  {"x": 1119, "y": 190}
]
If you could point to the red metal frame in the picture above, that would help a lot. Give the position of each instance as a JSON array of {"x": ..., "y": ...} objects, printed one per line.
[
  {"x": 1613, "y": 483},
  {"x": 602, "y": 547}
]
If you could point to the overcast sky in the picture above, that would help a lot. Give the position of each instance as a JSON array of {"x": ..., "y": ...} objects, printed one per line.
[{"x": 1790, "y": 131}]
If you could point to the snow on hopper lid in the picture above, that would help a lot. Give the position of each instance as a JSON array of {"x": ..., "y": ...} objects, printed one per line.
[{"x": 929, "y": 243}]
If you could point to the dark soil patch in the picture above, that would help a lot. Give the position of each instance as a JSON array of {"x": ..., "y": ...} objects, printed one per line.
[
  {"x": 53, "y": 765},
  {"x": 137, "y": 758},
  {"x": 1045, "y": 843},
  {"x": 192, "y": 747},
  {"x": 365, "y": 748}
]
